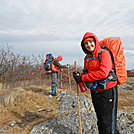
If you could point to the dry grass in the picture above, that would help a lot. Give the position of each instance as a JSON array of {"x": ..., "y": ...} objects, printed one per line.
[
  {"x": 126, "y": 97},
  {"x": 29, "y": 107},
  {"x": 22, "y": 108}
]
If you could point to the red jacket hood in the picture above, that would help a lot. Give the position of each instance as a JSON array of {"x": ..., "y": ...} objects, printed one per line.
[{"x": 97, "y": 46}]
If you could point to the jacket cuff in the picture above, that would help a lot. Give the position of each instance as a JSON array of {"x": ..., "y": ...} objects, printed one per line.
[{"x": 82, "y": 78}]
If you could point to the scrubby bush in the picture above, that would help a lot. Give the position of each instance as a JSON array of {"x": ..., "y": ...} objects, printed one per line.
[{"x": 15, "y": 67}]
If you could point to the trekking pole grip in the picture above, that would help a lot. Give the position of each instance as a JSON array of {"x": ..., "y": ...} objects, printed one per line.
[{"x": 75, "y": 66}]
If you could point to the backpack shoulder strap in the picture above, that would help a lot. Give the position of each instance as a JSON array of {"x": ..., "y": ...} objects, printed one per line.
[
  {"x": 92, "y": 58},
  {"x": 99, "y": 54}
]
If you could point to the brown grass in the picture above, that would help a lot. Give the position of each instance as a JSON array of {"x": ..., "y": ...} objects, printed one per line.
[
  {"x": 28, "y": 108},
  {"x": 126, "y": 97}
]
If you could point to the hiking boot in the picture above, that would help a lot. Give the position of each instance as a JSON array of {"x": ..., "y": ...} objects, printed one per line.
[{"x": 54, "y": 94}]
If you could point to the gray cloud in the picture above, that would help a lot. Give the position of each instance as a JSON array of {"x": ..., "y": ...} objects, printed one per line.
[{"x": 130, "y": 52}]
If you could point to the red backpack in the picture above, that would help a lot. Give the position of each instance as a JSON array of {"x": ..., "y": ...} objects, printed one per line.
[{"x": 114, "y": 45}]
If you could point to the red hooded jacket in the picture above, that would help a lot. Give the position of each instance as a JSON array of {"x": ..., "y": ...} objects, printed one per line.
[{"x": 97, "y": 69}]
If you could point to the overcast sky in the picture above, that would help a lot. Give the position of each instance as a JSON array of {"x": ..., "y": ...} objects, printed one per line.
[{"x": 57, "y": 26}]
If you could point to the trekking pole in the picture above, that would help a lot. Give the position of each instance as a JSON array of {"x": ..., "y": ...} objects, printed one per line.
[
  {"x": 69, "y": 80},
  {"x": 60, "y": 81},
  {"x": 78, "y": 101}
]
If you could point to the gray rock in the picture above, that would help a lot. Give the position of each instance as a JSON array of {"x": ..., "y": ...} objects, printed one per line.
[
  {"x": 125, "y": 122},
  {"x": 67, "y": 121}
]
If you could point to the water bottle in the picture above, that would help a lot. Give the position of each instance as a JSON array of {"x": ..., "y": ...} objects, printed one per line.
[{"x": 82, "y": 87}]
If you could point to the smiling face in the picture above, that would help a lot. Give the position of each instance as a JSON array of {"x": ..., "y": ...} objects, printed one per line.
[{"x": 90, "y": 45}]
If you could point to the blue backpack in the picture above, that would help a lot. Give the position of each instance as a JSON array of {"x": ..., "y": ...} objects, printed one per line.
[{"x": 48, "y": 63}]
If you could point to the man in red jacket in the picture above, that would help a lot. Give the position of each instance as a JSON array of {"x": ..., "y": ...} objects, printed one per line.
[{"x": 98, "y": 69}]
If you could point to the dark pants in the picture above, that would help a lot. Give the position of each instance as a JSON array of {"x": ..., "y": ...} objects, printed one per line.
[
  {"x": 54, "y": 76},
  {"x": 105, "y": 104}
]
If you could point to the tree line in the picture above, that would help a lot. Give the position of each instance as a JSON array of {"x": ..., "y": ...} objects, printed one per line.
[
  {"x": 16, "y": 67},
  {"x": 19, "y": 67}
]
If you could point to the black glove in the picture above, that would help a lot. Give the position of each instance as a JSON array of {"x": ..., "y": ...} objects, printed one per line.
[{"x": 77, "y": 77}]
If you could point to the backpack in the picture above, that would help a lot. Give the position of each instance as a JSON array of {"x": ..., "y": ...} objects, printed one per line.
[
  {"x": 48, "y": 63},
  {"x": 115, "y": 47}
]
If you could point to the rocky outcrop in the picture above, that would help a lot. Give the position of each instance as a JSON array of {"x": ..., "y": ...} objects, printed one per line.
[{"x": 67, "y": 121}]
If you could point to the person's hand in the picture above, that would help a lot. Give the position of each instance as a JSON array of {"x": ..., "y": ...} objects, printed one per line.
[{"x": 77, "y": 77}]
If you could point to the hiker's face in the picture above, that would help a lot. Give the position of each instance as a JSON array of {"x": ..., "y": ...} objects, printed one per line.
[{"x": 90, "y": 45}]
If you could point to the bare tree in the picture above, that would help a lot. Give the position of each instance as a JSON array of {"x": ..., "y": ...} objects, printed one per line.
[
  {"x": 15, "y": 67},
  {"x": 6, "y": 59},
  {"x": 18, "y": 67}
]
